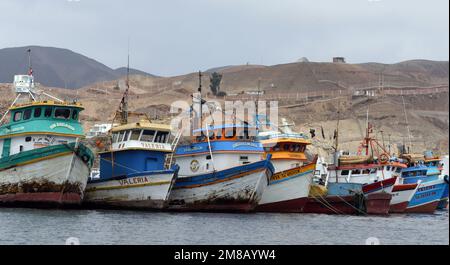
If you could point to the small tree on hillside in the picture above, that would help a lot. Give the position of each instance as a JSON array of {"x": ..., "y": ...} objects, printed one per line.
[{"x": 215, "y": 81}]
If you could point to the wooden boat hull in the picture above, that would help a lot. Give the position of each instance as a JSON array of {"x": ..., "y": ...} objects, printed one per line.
[
  {"x": 373, "y": 204},
  {"x": 427, "y": 197},
  {"x": 237, "y": 189},
  {"x": 53, "y": 176},
  {"x": 144, "y": 190},
  {"x": 287, "y": 191},
  {"x": 401, "y": 196}
]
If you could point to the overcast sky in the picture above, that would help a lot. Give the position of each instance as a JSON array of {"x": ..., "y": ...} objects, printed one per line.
[{"x": 170, "y": 37}]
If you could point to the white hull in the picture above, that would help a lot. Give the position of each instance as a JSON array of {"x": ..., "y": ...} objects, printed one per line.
[
  {"x": 146, "y": 191},
  {"x": 235, "y": 194},
  {"x": 44, "y": 181},
  {"x": 296, "y": 187}
]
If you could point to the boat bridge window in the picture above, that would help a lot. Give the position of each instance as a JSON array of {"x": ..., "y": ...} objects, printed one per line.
[
  {"x": 366, "y": 171},
  {"x": 27, "y": 114},
  {"x": 17, "y": 116},
  {"x": 126, "y": 136},
  {"x": 135, "y": 135},
  {"x": 37, "y": 112},
  {"x": 230, "y": 133},
  {"x": 161, "y": 137},
  {"x": 373, "y": 170},
  {"x": 48, "y": 112},
  {"x": 62, "y": 113},
  {"x": 75, "y": 115},
  {"x": 277, "y": 148},
  {"x": 148, "y": 136},
  {"x": 356, "y": 172},
  {"x": 345, "y": 172}
]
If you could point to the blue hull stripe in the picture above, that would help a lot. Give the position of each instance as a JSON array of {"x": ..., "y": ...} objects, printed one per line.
[
  {"x": 144, "y": 173},
  {"x": 224, "y": 175},
  {"x": 427, "y": 194}
]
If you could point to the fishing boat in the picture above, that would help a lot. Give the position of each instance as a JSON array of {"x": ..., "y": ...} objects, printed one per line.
[
  {"x": 354, "y": 183},
  {"x": 431, "y": 187},
  {"x": 43, "y": 161},
  {"x": 435, "y": 167},
  {"x": 346, "y": 198},
  {"x": 289, "y": 187},
  {"x": 137, "y": 170},
  {"x": 222, "y": 169}
]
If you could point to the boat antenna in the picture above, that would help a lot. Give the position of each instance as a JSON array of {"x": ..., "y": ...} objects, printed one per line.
[
  {"x": 407, "y": 123},
  {"x": 30, "y": 66}
]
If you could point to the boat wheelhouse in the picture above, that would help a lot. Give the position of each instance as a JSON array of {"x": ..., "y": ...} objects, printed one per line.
[{"x": 43, "y": 163}]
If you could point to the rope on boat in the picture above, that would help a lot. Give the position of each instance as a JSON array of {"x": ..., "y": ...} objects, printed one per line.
[{"x": 324, "y": 202}]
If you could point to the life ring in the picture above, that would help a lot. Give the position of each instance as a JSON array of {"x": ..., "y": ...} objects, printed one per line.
[{"x": 195, "y": 165}]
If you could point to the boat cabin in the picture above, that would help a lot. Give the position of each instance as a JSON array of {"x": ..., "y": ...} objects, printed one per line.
[
  {"x": 136, "y": 147},
  {"x": 226, "y": 146},
  {"x": 39, "y": 124}
]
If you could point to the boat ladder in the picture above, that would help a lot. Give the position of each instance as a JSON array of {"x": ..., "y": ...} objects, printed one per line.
[{"x": 169, "y": 158}]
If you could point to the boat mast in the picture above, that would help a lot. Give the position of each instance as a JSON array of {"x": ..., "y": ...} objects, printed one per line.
[{"x": 407, "y": 123}]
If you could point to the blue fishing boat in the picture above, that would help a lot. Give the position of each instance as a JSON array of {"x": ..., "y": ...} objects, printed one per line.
[
  {"x": 435, "y": 167},
  {"x": 430, "y": 190},
  {"x": 136, "y": 170}
]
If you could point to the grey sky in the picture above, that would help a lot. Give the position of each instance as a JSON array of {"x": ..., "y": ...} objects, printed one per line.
[{"x": 170, "y": 37}]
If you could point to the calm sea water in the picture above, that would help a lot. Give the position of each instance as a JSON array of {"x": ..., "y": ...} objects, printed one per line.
[{"x": 28, "y": 226}]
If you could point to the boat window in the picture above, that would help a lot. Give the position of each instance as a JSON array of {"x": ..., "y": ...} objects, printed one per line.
[
  {"x": 75, "y": 115},
  {"x": 398, "y": 170},
  {"x": 127, "y": 135},
  {"x": 28, "y": 139},
  {"x": 393, "y": 168},
  {"x": 48, "y": 112},
  {"x": 286, "y": 147},
  {"x": 120, "y": 136},
  {"x": 161, "y": 137},
  {"x": 147, "y": 136},
  {"x": 200, "y": 138},
  {"x": 208, "y": 157},
  {"x": 211, "y": 135},
  {"x": 115, "y": 136},
  {"x": 230, "y": 133},
  {"x": 373, "y": 170},
  {"x": 345, "y": 172},
  {"x": 62, "y": 113},
  {"x": 243, "y": 158},
  {"x": 297, "y": 148},
  {"x": 388, "y": 168},
  {"x": 366, "y": 171},
  {"x": 277, "y": 148},
  {"x": 37, "y": 112},
  {"x": 135, "y": 135},
  {"x": 18, "y": 116},
  {"x": 302, "y": 148},
  {"x": 356, "y": 172},
  {"x": 219, "y": 134},
  {"x": 27, "y": 114},
  {"x": 291, "y": 148}
]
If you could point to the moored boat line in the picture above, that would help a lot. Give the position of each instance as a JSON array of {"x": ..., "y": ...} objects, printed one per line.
[{"x": 229, "y": 167}]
